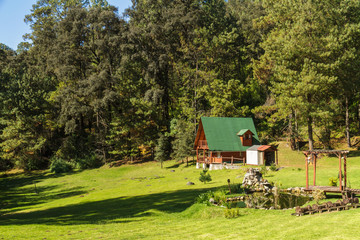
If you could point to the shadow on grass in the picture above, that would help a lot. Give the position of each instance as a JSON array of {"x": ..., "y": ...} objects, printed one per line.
[
  {"x": 122, "y": 209},
  {"x": 19, "y": 191},
  {"x": 176, "y": 165}
]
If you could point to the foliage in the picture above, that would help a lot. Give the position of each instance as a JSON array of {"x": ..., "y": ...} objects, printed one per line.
[
  {"x": 232, "y": 212},
  {"x": 220, "y": 196},
  {"x": 333, "y": 181},
  {"x": 90, "y": 81},
  {"x": 183, "y": 139},
  {"x": 162, "y": 149},
  {"x": 205, "y": 176},
  {"x": 236, "y": 188},
  {"x": 59, "y": 165},
  {"x": 263, "y": 170},
  {"x": 273, "y": 167},
  {"x": 318, "y": 195},
  {"x": 205, "y": 197},
  {"x": 90, "y": 161}
]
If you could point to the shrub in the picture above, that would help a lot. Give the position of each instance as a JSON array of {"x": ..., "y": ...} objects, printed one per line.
[
  {"x": 205, "y": 176},
  {"x": 90, "y": 161},
  {"x": 318, "y": 195},
  {"x": 273, "y": 167},
  {"x": 232, "y": 213},
  {"x": 59, "y": 165},
  {"x": 220, "y": 196},
  {"x": 205, "y": 197},
  {"x": 263, "y": 170},
  {"x": 236, "y": 188},
  {"x": 333, "y": 181}
]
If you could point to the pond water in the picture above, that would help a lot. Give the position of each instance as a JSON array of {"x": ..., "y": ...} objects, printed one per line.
[{"x": 273, "y": 201}]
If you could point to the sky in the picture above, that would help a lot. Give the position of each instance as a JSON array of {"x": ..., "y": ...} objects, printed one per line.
[{"x": 12, "y": 14}]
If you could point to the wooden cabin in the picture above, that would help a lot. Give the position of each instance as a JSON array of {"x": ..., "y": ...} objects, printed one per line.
[{"x": 221, "y": 140}]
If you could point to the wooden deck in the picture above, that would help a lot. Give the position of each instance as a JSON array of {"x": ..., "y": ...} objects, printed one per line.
[{"x": 329, "y": 189}]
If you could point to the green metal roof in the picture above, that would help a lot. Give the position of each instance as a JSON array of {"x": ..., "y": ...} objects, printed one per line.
[
  {"x": 221, "y": 133},
  {"x": 242, "y": 131}
]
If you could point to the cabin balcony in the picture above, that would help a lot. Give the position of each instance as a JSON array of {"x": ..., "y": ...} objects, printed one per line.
[{"x": 203, "y": 144}]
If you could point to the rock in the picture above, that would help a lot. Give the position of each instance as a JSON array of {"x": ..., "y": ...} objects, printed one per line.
[
  {"x": 271, "y": 208},
  {"x": 211, "y": 200},
  {"x": 172, "y": 170},
  {"x": 185, "y": 178},
  {"x": 190, "y": 183}
]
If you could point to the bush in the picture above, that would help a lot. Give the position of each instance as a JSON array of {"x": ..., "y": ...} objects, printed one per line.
[
  {"x": 205, "y": 176},
  {"x": 88, "y": 162},
  {"x": 318, "y": 195},
  {"x": 232, "y": 213},
  {"x": 263, "y": 170},
  {"x": 220, "y": 196},
  {"x": 59, "y": 165},
  {"x": 333, "y": 181},
  {"x": 236, "y": 188},
  {"x": 205, "y": 197},
  {"x": 273, "y": 167}
]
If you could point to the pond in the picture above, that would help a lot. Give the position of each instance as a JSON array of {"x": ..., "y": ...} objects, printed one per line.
[{"x": 272, "y": 200}]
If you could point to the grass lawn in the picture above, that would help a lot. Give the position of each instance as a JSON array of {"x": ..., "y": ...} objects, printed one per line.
[{"x": 144, "y": 201}]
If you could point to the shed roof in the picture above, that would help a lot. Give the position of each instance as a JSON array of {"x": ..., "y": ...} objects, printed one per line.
[
  {"x": 264, "y": 147},
  {"x": 253, "y": 148},
  {"x": 221, "y": 133}
]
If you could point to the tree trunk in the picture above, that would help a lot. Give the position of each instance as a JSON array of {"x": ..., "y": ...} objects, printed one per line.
[
  {"x": 297, "y": 132},
  {"x": 291, "y": 132},
  {"x": 310, "y": 133},
  {"x": 347, "y": 124},
  {"x": 359, "y": 116}
]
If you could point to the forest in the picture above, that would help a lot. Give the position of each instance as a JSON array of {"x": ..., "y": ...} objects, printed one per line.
[{"x": 90, "y": 85}]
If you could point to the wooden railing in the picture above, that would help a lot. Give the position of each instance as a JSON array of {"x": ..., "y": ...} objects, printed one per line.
[{"x": 221, "y": 160}]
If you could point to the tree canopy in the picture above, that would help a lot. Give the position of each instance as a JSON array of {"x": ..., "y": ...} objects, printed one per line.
[{"x": 91, "y": 85}]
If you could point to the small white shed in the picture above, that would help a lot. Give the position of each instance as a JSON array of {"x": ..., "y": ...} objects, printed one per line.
[
  {"x": 260, "y": 155},
  {"x": 252, "y": 156}
]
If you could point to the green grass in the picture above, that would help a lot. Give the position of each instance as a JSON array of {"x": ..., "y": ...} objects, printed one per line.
[{"x": 146, "y": 202}]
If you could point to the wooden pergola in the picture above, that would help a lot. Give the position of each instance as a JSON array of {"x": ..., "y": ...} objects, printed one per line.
[{"x": 313, "y": 154}]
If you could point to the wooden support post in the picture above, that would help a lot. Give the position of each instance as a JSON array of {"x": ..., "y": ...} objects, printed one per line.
[
  {"x": 314, "y": 179},
  {"x": 340, "y": 173},
  {"x": 204, "y": 155},
  {"x": 345, "y": 172},
  {"x": 276, "y": 157},
  {"x": 197, "y": 155},
  {"x": 232, "y": 160},
  {"x": 307, "y": 171},
  {"x": 211, "y": 157}
]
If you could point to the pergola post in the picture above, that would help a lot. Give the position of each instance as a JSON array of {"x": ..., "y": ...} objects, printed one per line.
[
  {"x": 307, "y": 171},
  {"x": 340, "y": 172},
  {"x": 314, "y": 180},
  {"x": 345, "y": 172}
]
